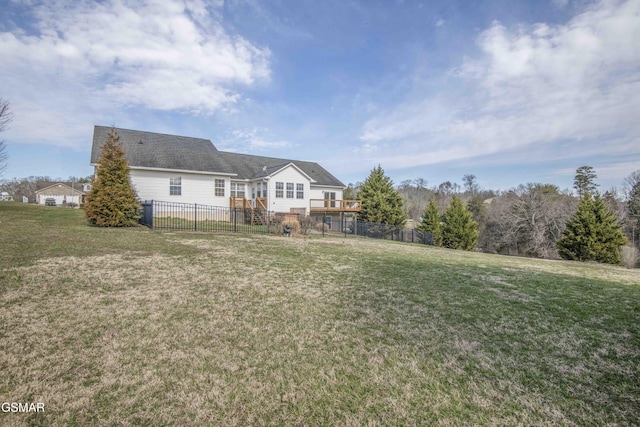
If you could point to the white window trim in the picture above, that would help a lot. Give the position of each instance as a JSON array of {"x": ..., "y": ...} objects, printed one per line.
[
  {"x": 175, "y": 186},
  {"x": 216, "y": 187}
]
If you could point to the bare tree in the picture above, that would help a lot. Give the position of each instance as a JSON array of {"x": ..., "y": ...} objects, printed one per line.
[
  {"x": 470, "y": 185},
  {"x": 528, "y": 220},
  {"x": 415, "y": 194},
  {"x": 5, "y": 119},
  {"x": 24, "y": 187},
  {"x": 444, "y": 192}
]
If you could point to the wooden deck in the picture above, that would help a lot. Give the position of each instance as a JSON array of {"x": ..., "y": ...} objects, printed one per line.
[
  {"x": 244, "y": 203},
  {"x": 255, "y": 213},
  {"x": 316, "y": 205},
  {"x": 329, "y": 205}
]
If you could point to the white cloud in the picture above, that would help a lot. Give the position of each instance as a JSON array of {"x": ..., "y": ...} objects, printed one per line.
[
  {"x": 161, "y": 55},
  {"x": 575, "y": 85},
  {"x": 252, "y": 140}
]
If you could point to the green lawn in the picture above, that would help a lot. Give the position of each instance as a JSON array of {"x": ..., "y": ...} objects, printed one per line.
[{"x": 141, "y": 327}]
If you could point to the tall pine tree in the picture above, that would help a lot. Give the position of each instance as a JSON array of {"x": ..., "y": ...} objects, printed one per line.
[
  {"x": 459, "y": 230},
  {"x": 112, "y": 201},
  {"x": 381, "y": 203},
  {"x": 592, "y": 234},
  {"x": 584, "y": 181},
  {"x": 432, "y": 222}
]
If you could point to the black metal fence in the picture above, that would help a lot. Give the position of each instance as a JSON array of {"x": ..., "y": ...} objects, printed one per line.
[
  {"x": 193, "y": 217},
  {"x": 353, "y": 227}
]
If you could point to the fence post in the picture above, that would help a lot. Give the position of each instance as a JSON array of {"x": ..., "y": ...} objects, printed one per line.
[
  {"x": 344, "y": 225},
  {"x": 324, "y": 222},
  {"x": 235, "y": 220},
  {"x": 195, "y": 217},
  {"x": 147, "y": 213}
]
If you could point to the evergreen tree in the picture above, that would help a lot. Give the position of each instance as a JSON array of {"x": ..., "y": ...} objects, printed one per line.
[
  {"x": 459, "y": 230},
  {"x": 583, "y": 182},
  {"x": 633, "y": 206},
  {"x": 112, "y": 201},
  {"x": 432, "y": 222},
  {"x": 592, "y": 234},
  {"x": 381, "y": 203}
]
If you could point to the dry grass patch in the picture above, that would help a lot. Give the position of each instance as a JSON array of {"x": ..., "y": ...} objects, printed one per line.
[{"x": 242, "y": 330}]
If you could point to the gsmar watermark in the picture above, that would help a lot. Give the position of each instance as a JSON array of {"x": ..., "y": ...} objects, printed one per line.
[{"x": 22, "y": 407}]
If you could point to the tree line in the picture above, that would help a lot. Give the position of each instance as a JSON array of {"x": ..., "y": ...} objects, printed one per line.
[
  {"x": 26, "y": 187},
  {"x": 533, "y": 219}
]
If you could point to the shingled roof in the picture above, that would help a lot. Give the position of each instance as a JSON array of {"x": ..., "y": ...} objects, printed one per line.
[
  {"x": 41, "y": 185},
  {"x": 162, "y": 151}
]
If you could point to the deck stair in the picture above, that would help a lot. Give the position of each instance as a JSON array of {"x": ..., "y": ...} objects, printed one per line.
[
  {"x": 257, "y": 217},
  {"x": 255, "y": 213}
]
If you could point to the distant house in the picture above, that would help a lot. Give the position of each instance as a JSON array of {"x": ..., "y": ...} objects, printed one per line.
[
  {"x": 192, "y": 170},
  {"x": 64, "y": 193}
]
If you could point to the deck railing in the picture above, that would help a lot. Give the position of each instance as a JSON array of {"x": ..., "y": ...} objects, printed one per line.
[
  {"x": 240, "y": 202},
  {"x": 334, "y": 205}
]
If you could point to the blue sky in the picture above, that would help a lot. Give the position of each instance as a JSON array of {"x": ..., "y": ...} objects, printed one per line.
[{"x": 510, "y": 91}]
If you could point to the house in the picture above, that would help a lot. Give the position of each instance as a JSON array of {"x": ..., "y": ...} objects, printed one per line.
[
  {"x": 192, "y": 170},
  {"x": 64, "y": 193}
]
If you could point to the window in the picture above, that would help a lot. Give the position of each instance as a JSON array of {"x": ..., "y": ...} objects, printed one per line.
[
  {"x": 289, "y": 190},
  {"x": 279, "y": 190},
  {"x": 219, "y": 188},
  {"x": 329, "y": 199},
  {"x": 175, "y": 186},
  {"x": 237, "y": 189},
  {"x": 299, "y": 191}
]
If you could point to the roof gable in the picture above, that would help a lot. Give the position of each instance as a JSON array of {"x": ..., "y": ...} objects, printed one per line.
[
  {"x": 270, "y": 172},
  {"x": 42, "y": 186}
]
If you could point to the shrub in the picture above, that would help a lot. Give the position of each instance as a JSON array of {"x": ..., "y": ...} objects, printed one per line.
[
  {"x": 320, "y": 227},
  {"x": 306, "y": 225},
  {"x": 295, "y": 227},
  {"x": 629, "y": 256}
]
